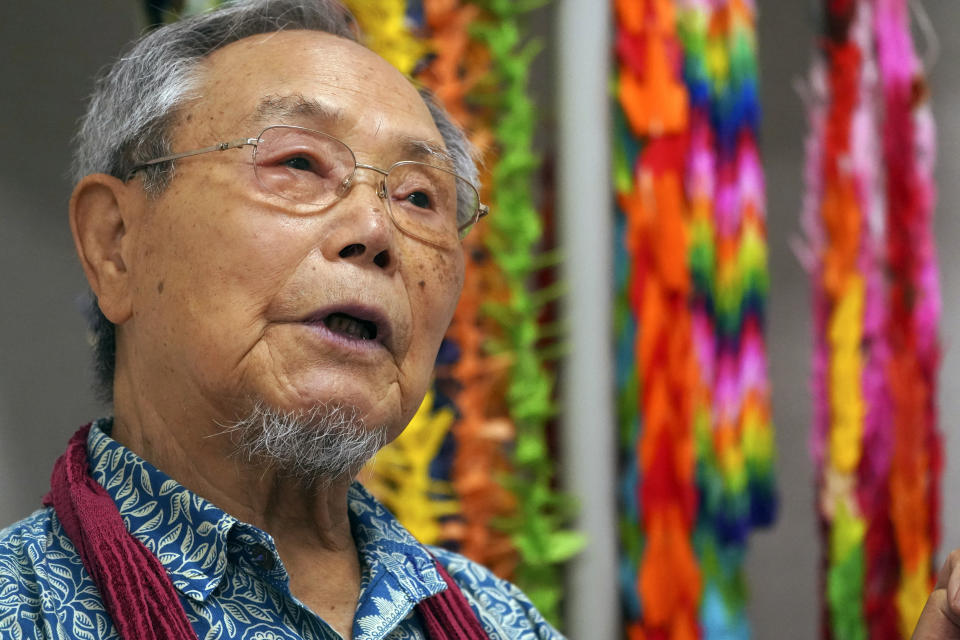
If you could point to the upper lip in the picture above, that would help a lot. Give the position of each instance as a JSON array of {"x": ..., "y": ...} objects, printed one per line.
[{"x": 364, "y": 312}]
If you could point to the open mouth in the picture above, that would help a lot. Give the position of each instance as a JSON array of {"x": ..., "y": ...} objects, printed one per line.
[{"x": 350, "y": 326}]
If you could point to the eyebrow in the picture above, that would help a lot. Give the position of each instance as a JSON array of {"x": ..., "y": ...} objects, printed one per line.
[
  {"x": 285, "y": 108},
  {"x": 423, "y": 150}
]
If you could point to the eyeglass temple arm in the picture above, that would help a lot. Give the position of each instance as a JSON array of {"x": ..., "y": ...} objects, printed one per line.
[
  {"x": 222, "y": 146},
  {"x": 482, "y": 210}
]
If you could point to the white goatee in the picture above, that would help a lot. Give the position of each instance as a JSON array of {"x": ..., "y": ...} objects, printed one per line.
[{"x": 320, "y": 445}]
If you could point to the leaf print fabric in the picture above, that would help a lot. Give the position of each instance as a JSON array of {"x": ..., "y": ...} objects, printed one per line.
[{"x": 231, "y": 582}]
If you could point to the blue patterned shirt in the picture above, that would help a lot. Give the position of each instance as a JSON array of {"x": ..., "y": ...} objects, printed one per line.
[{"x": 227, "y": 573}]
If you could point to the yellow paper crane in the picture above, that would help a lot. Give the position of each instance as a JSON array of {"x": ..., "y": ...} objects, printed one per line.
[{"x": 400, "y": 474}]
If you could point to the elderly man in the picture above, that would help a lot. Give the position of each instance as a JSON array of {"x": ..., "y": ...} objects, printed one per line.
[{"x": 269, "y": 216}]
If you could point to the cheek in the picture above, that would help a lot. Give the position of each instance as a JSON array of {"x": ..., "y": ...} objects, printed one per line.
[
  {"x": 436, "y": 288},
  {"x": 434, "y": 291},
  {"x": 208, "y": 273}
]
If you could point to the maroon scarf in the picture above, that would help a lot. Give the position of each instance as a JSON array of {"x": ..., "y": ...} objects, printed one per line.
[{"x": 136, "y": 589}]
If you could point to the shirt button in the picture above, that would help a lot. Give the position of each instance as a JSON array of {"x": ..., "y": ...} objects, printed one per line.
[{"x": 263, "y": 558}]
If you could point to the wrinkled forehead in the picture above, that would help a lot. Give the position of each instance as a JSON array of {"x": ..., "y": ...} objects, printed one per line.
[{"x": 310, "y": 79}]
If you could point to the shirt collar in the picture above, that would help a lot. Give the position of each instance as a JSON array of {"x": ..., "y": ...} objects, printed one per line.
[
  {"x": 185, "y": 532},
  {"x": 388, "y": 551},
  {"x": 190, "y": 535}
]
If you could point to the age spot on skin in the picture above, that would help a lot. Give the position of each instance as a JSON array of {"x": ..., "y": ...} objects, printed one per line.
[
  {"x": 160, "y": 287},
  {"x": 422, "y": 284}
]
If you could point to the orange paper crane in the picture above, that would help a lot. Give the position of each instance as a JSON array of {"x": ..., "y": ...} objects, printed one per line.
[{"x": 651, "y": 93}]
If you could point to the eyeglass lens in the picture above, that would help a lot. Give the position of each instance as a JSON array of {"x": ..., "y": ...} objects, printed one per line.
[{"x": 310, "y": 167}]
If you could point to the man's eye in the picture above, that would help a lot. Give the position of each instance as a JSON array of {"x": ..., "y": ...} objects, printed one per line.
[
  {"x": 299, "y": 163},
  {"x": 419, "y": 199}
]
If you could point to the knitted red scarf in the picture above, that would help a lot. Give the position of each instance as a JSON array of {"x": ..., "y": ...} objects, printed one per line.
[{"x": 136, "y": 589}]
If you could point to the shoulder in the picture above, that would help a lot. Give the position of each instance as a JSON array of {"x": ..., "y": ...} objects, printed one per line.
[
  {"x": 23, "y": 551},
  {"x": 44, "y": 590},
  {"x": 504, "y": 610},
  {"x": 24, "y": 543}
]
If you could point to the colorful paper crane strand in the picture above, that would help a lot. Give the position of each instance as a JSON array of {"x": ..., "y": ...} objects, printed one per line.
[
  {"x": 690, "y": 185},
  {"x": 868, "y": 215}
]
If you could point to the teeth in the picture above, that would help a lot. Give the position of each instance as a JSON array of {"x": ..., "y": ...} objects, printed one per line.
[{"x": 347, "y": 325}]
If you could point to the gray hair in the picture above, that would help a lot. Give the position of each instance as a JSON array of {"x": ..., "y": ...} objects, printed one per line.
[
  {"x": 317, "y": 446},
  {"x": 135, "y": 106}
]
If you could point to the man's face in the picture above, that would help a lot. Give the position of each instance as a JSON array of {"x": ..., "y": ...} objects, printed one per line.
[{"x": 234, "y": 289}]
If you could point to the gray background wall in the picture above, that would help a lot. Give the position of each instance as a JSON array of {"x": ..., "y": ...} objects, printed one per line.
[{"x": 50, "y": 53}]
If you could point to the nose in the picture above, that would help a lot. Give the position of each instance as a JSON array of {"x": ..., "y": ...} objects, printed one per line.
[{"x": 359, "y": 228}]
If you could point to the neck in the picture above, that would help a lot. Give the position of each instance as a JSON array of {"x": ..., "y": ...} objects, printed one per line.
[
  {"x": 182, "y": 433},
  {"x": 197, "y": 452},
  {"x": 309, "y": 524}
]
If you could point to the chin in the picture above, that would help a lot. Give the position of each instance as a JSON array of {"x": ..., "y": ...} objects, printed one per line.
[{"x": 323, "y": 445}]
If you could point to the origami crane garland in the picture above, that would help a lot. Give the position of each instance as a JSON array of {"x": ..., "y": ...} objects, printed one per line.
[
  {"x": 698, "y": 446},
  {"x": 867, "y": 217}
]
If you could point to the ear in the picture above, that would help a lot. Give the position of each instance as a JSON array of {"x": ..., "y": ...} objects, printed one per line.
[{"x": 101, "y": 212}]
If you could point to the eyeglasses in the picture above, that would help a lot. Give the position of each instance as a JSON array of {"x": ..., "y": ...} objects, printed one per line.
[{"x": 308, "y": 167}]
